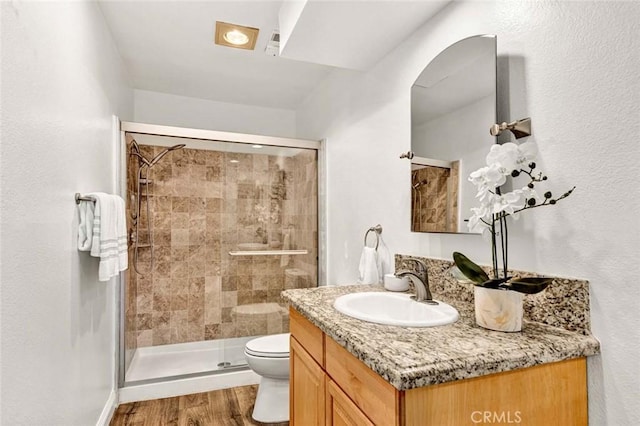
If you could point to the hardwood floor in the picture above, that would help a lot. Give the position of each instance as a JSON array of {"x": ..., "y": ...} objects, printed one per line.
[{"x": 226, "y": 407}]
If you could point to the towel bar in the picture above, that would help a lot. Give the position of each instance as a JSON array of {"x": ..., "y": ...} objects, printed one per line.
[
  {"x": 378, "y": 230},
  {"x": 80, "y": 197}
]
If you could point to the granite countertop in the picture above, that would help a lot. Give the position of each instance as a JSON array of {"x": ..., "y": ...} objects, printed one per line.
[{"x": 414, "y": 357}]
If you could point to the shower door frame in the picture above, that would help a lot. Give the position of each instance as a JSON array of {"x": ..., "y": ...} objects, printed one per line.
[{"x": 214, "y": 135}]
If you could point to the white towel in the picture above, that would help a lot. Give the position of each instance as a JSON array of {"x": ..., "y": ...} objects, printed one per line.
[
  {"x": 386, "y": 264},
  {"x": 370, "y": 267},
  {"x": 109, "y": 241},
  {"x": 85, "y": 227}
]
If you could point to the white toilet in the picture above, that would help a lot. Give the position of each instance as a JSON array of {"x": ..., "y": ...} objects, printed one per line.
[{"x": 268, "y": 356}]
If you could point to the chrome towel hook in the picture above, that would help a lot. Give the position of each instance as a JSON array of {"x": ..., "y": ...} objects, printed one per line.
[{"x": 378, "y": 230}]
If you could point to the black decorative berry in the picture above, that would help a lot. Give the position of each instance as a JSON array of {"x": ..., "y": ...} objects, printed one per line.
[
  {"x": 530, "y": 185},
  {"x": 515, "y": 173},
  {"x": 531, "y": 201},
  {"x": 552, "y": 201},
  {"x": 548, "y": 194},
  {"x": 532, "y": 165},
  {"x": 544, "y": 178}
]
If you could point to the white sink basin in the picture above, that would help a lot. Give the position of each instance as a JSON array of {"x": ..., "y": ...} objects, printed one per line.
[{"x": 395, "y": 309}]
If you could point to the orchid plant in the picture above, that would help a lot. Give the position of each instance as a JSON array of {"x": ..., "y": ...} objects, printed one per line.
[{"x": 490, "y": 218}]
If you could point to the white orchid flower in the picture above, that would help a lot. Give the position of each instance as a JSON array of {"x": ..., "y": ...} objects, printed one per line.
[
  {"x": 504, "y": 157},
  {"x": 486, "y": 197},
  {"x": 509, "y": 156},
  {"x": 487, "y": 178},
  {"x": 528, "y": 152},
  {"x": 504, "y": 160},
  {"x": 532, "y": 193},
  {"x": 509, "y": 202},
  {"x": 478, "y": 222}
]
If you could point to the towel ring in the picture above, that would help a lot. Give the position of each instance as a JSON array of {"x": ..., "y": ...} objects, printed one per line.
[
  {"x": 378, "y": 230},
  {"x": 79, "y": 197}
]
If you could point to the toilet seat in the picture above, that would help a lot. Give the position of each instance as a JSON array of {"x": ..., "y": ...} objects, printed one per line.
[{"x": 274, "y": 346}]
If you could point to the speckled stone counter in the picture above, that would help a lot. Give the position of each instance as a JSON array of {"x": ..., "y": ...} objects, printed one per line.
[{"x": 414, "y": 357}]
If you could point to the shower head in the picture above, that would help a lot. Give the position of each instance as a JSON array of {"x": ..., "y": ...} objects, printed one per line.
[
  {"x": 135, "y": 146},
  {"x": 135, "y": 150},
  {"x": 419, "y": 184},
  {"x": 141, "y": 158},
  {"x": 165, "y": 152}
]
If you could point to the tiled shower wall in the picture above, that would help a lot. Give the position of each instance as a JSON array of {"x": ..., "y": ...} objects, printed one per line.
[
  {"x": 203, "y": 205},
  {"x": 302, "y": 212},
  {"x": 434, "y": 205}
]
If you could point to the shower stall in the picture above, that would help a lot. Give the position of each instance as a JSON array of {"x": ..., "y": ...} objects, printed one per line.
[
  {"x": 218, "y": 225},
  {"x": 434, "y": 197}
]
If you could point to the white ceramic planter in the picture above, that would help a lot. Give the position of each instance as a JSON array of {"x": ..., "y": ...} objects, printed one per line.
[{"x": 499, "y": 310}]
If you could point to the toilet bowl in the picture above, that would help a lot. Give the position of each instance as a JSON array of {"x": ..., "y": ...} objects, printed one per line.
[{"x": 268, "y": 357}]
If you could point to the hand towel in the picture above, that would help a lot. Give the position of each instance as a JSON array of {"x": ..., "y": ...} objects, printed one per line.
[
  {"x": 386, "y": 263},
  {"x": 369, "y": 266},
  {"x": 109, "y": 241},
  {"x": 85, "y": 227}
]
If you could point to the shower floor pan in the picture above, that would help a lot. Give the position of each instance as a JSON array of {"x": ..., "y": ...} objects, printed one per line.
[{"x": 153, "y": 362}]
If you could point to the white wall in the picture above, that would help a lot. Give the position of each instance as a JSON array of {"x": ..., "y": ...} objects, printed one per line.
[
  {"x": 62, "y": 80},
  {"x": 572, "y": 67},
  {"x": 181, "y": 111}
]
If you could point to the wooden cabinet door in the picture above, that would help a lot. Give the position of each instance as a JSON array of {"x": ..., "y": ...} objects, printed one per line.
[
  {"x": 306, "y": 388},
  {"x": 341, "y": 411}
]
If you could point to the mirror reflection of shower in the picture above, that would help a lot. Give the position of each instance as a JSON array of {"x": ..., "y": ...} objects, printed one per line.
[
  {"x": 144, "y": 179},
  {"x": 416, "y": 185}
]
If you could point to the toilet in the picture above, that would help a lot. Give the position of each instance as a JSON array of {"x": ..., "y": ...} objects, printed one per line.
[{"x": 268, "y": 357}]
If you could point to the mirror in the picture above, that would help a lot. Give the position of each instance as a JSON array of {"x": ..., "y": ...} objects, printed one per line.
[{"x": 453, "y": 105}]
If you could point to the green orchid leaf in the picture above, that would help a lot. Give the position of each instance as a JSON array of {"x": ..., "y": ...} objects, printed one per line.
[
  {"x": 457, "y": 274},
  {"x": 528, "y": 285},
  {"x": 494, "y": 283},
  {"x": 470, "y": 269}
]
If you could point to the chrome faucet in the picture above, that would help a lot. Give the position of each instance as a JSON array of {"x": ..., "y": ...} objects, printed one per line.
[{"x": 420, "y": 279}]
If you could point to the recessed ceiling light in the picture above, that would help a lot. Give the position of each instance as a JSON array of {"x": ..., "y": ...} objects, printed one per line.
[
  {"x": 238, "y": 36},
  {"x": 256, "y": 146}
]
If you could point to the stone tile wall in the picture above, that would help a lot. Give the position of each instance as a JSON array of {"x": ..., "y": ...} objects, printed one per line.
[{"x": 302, "y": 211}]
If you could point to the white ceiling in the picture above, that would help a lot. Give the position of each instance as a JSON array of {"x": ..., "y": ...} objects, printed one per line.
[
  {"x": 167, "y": 46},
  {"x": 353, "y": 34}
]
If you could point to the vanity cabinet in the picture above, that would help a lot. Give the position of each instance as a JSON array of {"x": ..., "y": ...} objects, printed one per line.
[
  {"x": 307, "y": 381},
  {"x": 329, "y": 386},
  {"x": 306, "y": 373},
  {"x": 341, "y": 410}
]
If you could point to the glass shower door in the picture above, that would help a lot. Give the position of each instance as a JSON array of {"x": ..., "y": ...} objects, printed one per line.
[{"x": 231, "y": 226}]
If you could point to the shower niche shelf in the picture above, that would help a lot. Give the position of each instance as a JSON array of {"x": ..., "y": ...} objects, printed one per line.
[{"x": 267, "y": 252}]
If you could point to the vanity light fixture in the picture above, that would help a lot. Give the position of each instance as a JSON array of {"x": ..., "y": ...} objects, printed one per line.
[
  {"x": 256, "y": 146},
  {"x": 519, "y": 128},
  {"x": 238, "y": 36},
  {"x": 234, "y": 161}
]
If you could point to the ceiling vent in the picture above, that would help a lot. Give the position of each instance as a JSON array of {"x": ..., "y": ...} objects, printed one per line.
[{"x": 273, "y": 46}]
